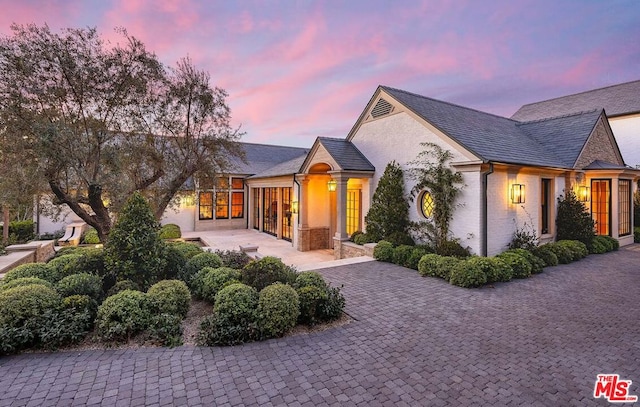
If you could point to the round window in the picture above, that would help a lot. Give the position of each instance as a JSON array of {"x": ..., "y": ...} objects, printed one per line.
[{"x": 426, "y": 204}]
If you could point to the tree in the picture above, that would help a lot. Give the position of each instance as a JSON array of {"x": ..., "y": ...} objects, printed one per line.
[
  {"x": 104, "y": 120},
  {"x": 433, "y": 174},
  {"x": 573, "y": 222},
  {"x": 389, "y": 212}
]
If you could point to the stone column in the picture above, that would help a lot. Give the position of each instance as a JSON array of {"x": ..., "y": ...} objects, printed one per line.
[{"x": 341, "y": 206}]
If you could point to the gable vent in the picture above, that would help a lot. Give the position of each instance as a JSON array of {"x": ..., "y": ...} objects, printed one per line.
[{"x": 381, "y": 108}]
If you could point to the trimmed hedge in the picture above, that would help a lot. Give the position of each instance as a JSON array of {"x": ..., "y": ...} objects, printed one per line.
[
  {"x": 494, "y": 268},
  {"x": 416, "y": 255},
  {"x": 21, "y": 282},
  {"x": 170, "y": 231},
  {"x": 278, "y": 310},
  {"x": 266, "y": 271},
  {"x": 90, "y": 236},
  {"x": 215, "y": 280},
  {"x": 519, "y": 265},
  {"x": 537, "y": 265},
  {"x": 187, "y": 249},
  {"x": 434, "y": 265},
  {"x": 606, "y": 243},
  {"x": 233, "y": 258},
  {"x": 39, "y": 270},
  {"x": 81, "y": 284},
  {"x": 402, "y": 254},
  {"x": 383, "y": 251},
  {"x": 123, "y": 315},
  {"x": 311, "y": 299},
  {"x": 546, "y": 255},
  {"x": 563, "y": 253},
  {"x": 63, "y": 266},
  {"x": 122, "y": 286},
  {"x": 310, "y": 278},
  {"x": 197, "y": 263},
  {"x": 19, "y": 305},
  {"x": 169, "y": 297},
  {"x": 23, "y": 230},
  {"x": 468, "y": 273}
]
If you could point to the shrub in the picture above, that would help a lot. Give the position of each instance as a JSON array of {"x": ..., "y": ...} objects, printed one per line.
[
  {"x": 636, "y": 235},
  {"x": 333, "y": 307},
  {"x": 267, "y": 271},
  {"x": 21, "y": 282},
  {"x": 363, "y": 239},
  {"x": 608, "y": 242},
  {"x": 91, "y": 261},
  {"x": 187, "y": 249},
  {"x": 400, "y": 239},
  {"x": 39, "y": 270},
  {"x": 383, "y": 251},
  {"x": 501, "y": 272},
  {"x": 525, "y": 238},
  {"x": 354, "y": 235},
  {"x": 170, "y": 231},
  {"x": 22, "y": 230},
  {"x": 215, "y": 280},
  {"x": 519, "y": 265},
  {"x": 311, "y": 298},
  {"x": 453, "y": 248},
  {"x": 573, "y": 222},
  {"x": 169, "y": 297},
  {"x": 122, "y": 315},
  {"x": 577, "y": 248},
  {"x": 234, "y": 259},
  {"x": 80, "y": 303},
  {"x": 278, "y": 310},
  {"x": 310, "y": 278},
  {"x": 537, "y": 265},
  {"x": 416, "y": 255},
  {"x": 122, "y": 286},
  {"x": 175, "y": 261},
  {"x": 494, "y": 270},
  {"x": 90, "y": 236},
  {"x": 401, "y": 255},
  {"x": 546, "y": 255},
  {"x": 165, "y": 329},
  {"x": 63, "y": 251},
  {"x": 19, "y": 305},
  {"x": 81, "y": 284},
  {"x": 434, "y": 265},
  {"x": 197, "y": 263},
  {"x": 467, "y": 274},
  {"x": 68, "y": 325},
  {"x": 66, "y": 265},
  {"x": 133, "y": 250},
  {"x": 563, "y": 253}
]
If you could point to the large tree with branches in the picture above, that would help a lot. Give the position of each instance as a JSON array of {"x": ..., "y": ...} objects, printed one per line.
[{"x": 102, "y": 120}]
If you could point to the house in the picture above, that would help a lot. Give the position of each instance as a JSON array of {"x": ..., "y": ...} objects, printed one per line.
[{"x": 514, "y": 169}]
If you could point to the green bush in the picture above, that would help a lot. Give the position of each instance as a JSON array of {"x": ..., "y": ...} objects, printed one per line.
[
  {"x": 609, "y": 243},
  {"x": 573, "y": 221},
  {"x": 500, "y": 272},
  {"x": 546, "y": 255},
  {"x": 310, "y": 278},
  {"x": 267, "y": 271},
  {"x": 416, "y": 255},
  {"x": 597, "y": 247},
  {"x": 352, "y": 237},
  {"x": 63, "y": 251},
  {"x": 122, "y": 315},
  {"x": 20, "y": 282},
  {"x": 169, "y": 297},
  {"x": 563, "y": 253},
  {"x": 215, "y": 280},
  {"x": 400, "y": 239},
  {"x": 383, "y": 251},
  {"x": 18, "y": 305},
  {"x": 91, "y": 260},
  {"x": 175, "y": 261},
  {"x": 519, "y": 265},
  {"x": 170, "y": 231},
  {"x": 363, "y": 239},
  {"x": 66, "y": 265},
  {"x": 614, "y": 243},
  {"x": 468, "y": 273},
  {"x": 197, "y": 263},
  {"x": 452, "y": 248},
  {"x": 81, "y": 303},
  {"x": 577, "y": 248},
  {"x": 187, "y": 249},
  {"x": 22, "y": 230},
  {"x": 636, "y": 235},
  {"x": 333, "y": 307},
  {"x": 494, "y": 270},
  {"x": 278, "y": 310},
  {"x": 537, "y": 265},
  {"x": 122, "y": 286},
  {"x": 165, "y": 329},
  {"x": 68, "y": 325},
  {"x": 234, "y": 259},
  {"x": 311, "y": 298},
  {"x": 401, "y": 255},
  {"x": 90, "y": 236},
  {"x": 434, "y": 265},
  {"x": 134, "y": 250},
  {"x": 39, "y": 270},
  {"x": 81, "y": 284}
]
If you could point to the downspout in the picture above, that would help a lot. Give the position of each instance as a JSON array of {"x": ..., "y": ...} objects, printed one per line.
[{"x": 485, "y": 210}]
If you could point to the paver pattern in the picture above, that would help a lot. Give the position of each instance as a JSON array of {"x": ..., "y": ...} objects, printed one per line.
[{"x": 415, "y": 341}]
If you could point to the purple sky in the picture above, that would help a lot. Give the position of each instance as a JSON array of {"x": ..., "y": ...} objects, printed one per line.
[{"x": 298, "y": 70}]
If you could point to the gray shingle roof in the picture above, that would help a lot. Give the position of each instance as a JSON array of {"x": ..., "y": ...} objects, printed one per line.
[
  {"x": 603, "y": 165},
  {"x": 553, "y": 142},
  {"x": 261, "y": 157},
  {"x": 346, "y": 154},
  {"x": 286, "y": 168},
  {"x": 616, "y": 100}
]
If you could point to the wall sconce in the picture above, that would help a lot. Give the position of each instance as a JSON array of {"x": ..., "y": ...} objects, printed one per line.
[
  {"x": 583, "y": 193},
  {"x": 332, "y": 185},
  {"x": 517, "y": 193},
  {"x": 294, "y": 207}
]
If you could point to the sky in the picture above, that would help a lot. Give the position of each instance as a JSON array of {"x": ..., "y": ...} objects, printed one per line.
[{"x": 297, "y": 70}]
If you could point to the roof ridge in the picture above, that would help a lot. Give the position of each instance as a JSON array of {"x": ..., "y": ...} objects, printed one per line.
[
  {"x": 562, "y": 116},
  {"x": 271, "y": 145},
  {"x": 580, "y": 93}
]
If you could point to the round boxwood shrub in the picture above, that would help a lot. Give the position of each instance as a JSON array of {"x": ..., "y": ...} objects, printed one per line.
[
  {"x": 170, "y": 231},
  {"x": 266, "y": 271},
  {"x": 19, "y": 282},
  {"x": 311, "y": 298},
  {"x": 66, "y": 265},
  {"x": 489, "y": 266},
  {"x": 122, "y": 315},
  {"x": 500, "y": 272},
  {"x": 537, "y": 265},
  {"x": 21, "y": 304},
  {"x": 546, "y": 255},
  {"x": 90, "y": 236},
  {"x": 363, "y": 239},
  {"x": 234, "y": 259},
  {"x": 216, "y": 279},
  {"x": 197, "y": 263},
  {"x": 81, "y": 284},
  {"x": 416, "y": 255},
  {"x": 234, "y": 317},
  {"x": 310, "y": 278},
  {"x": 467, "y": 274},
  {"x": 91, "y": 260},
  {"x": 81, "y": 303},
  {"x": 39, "y": 270},
  {"x": 63, "y": 251},
  {"x": 598, "y": 247},
  {"x": 165, "y": 329},
  {"x": 578, "y": 249},
  {"x": 434, "y": 265},
  {"x": 563, "y": 253},
  {"x": 383, "y": 251},
  {"x": 519, "y": 265},
  {"x": 122, "y": 286},
  {"x": 333, "y": 307},
  {"x": 175, "y": 262},
  {"x": 609, "y": 243},
  {"x": 169, "y": 297},
  {"x": 401, "y": 255},
  {"x": 278, "y": 310},
  {"x": 187, "y": 249}
]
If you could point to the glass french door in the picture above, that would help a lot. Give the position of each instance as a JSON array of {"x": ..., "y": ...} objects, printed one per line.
[
  {"x": 287, "y": 227},
  {"x": 256, "y": 208},
  {"x": 601, "y": 205},
  {"x": 270, "y": 211}
]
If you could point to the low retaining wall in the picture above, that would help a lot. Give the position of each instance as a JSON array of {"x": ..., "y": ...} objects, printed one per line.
[
  {"x": 32, "y": 252},
  {"x": 344, "y": 249}
]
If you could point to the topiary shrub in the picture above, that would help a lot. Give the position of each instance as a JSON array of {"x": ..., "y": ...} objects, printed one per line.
[
  {"x": 434, "y": 265},
  {"x": 563, "y": 253},
  {"x": 577, "y": 248},
  {"x": 90, "y": 236},
  {"x": 383, "y": 251},
  {"x": 170, "y": 231},
  {"x": 197, "y": 263},
  {"x": 311, "y": 298},
  {"x": 266, "y": 271},
  {"x": 333, "y": 307},
  {"x": 492, "y": 268},
  {"x": 401, "y": 255},
  {"x": 39, "y": 270},
  {"x": 165, "y": 329},
  {"x": 309, "y": 278},
  {"x": 573, "y": 221},
  {"x": 416, "y": 255},
  {"x": 91, "y": 260},
  {"x": 467, "y": 274},
  {"x": 453, "y": 248},
  {"x": 66, "y": 265},
  {"x": 278, "y": 310},
  {"x": 519, "y": 265},
  {"x": 234, "y": 259},
  {"x": 537, "y": 265},
  {"x": 133, "y": 250},
  {"x": 169, "y": 297},
  {"x": 215, "y": 280},
  {"x": 500, "y": 272},
  {"x": 122, "y": 286},
  {"x": 546, "y": 255},
  {"x": 363, "y": 239},
  {"x": 21, "y": 282},
  {"x": 81, "y": 284},
  {"x": 122, "y": 315},
  {"x": 187, "y": 249}
]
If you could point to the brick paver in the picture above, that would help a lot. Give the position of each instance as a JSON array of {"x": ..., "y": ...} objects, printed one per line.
[{"x": 414, "y": 341}]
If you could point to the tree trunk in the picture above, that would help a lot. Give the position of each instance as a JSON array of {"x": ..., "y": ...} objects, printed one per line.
[{"x": 5, "y": 228}]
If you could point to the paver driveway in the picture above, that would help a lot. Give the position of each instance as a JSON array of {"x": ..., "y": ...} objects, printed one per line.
[{"x": 416, "y": 341}]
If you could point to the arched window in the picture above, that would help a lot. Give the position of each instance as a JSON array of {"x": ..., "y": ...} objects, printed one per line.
[{"x": 426, "y": 204}]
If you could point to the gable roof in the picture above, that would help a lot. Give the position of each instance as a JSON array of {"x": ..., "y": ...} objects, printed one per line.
[
  {"x": 499, "y": 139},
  {"x": 616, "y": 100},
  {"x": 261, "y": 157},
  {"x": 286, "y": 168},
  {"x": 346, "y": 154}
]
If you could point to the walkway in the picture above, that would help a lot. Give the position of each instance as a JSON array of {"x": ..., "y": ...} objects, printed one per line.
[{"x": 416, "y": 342}]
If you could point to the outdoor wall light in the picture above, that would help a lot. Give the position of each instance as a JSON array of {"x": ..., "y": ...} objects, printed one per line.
[
  {"x": 517, "y": 193},
  {"x": 332, "y": 185},
  {"x": 583, "y": 193},
  {"x": 294, "y": 207}
]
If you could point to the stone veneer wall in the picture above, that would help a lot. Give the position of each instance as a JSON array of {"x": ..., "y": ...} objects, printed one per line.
[
  {"x": 313, "y": 239},
  {"x": 346, "y": 249}
]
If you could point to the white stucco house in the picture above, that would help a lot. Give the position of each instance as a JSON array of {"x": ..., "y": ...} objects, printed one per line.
[{"x": 514, "y": 170}]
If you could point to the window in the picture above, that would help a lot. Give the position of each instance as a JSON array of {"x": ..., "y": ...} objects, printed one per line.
[
  {"x": 427, "y": 204},
  {"x": 256, "y": 208},
  {"x": 237, "y": 205},
  {"x": 353, "y": 210},
  {"x": 624, "y": 207},
  {"x": 287, "y": 227},
  {"x": 205, "y": 204},
  {"x": 270, "y": 211},
  {"x": 601, "y": 205},
  {"x": 222, "y": 204},
  {"x": 545, "y": 203}
]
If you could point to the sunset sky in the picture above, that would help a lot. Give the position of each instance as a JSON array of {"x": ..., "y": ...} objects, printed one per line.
[{"x": 296, "y": 70}]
